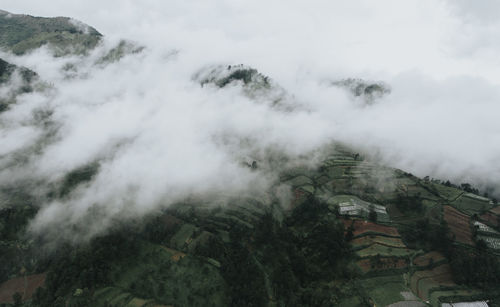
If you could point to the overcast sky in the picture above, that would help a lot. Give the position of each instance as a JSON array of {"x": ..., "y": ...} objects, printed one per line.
[
  {"x": 440, "y": 59},
  {"x": 439, "y": 38}
]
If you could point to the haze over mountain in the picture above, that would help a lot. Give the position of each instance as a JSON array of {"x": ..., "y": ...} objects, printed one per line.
[
  {"x": 434, "y": 57},
  {"x": 439, "y": 118},
  {"x": 159, "y": 115}
]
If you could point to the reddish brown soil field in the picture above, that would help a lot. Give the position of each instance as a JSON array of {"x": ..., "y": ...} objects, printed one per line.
[
  {"x": 25, "y": 287},
  {"x": 496, "y": 210},
  {"x": 459, "y": 225},
  {"x": 490, "y": 218},
  {"x": 361, "y": 227},
  {"x": 387, "y": 241},
  {"x": 384, "y": 264},
  {"x": 423, "y": 260}
]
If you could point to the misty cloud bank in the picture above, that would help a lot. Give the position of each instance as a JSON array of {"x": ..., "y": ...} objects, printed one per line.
[{"x": 158, "y": 136}]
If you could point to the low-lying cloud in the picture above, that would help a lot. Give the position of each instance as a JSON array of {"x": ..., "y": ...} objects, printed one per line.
[{"x": 158, "y": 136}]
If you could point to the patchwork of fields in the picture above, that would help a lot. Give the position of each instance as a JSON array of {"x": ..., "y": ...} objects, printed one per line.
[{"x": 196, "y": 244}]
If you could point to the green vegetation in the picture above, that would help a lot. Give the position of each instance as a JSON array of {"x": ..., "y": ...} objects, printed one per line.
[
  {"x": 361, "y": 88},
  {"x": 23, "y": 33},
  {"x": 6, "y": 70},
  {"x": 385, "y": 290},
  {"x": 253, "y": 253},
  {"x": 26, "y": 77},
  {"x": 349, "y": 235},
  {"x": 122, "y": 49},
  {"x": 77, "y": 177},
  {"x": 472, "y": 204},
  {"x": 424, "y": 235},
  {"x": 477, "y": 268}
]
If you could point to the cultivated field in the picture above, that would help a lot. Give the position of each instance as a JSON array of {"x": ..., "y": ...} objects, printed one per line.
[
  {"x": 490, "y": 218},
  {"x": 495, "y": 210},
  {"x": 24, "y": 286},
  {"x": 371, "y": 239},
  {"x": 428, "y": 258},
  {"x": 459, "y": 225},
  {"x": 423, "y": 281},
  {"x": 472, "y": 204},
  {"x": 385, "y": 290},
  {"x": 384, "y": 263},
  {"x": 382, "y": 250},
  {"x": 362, "y": 227}
]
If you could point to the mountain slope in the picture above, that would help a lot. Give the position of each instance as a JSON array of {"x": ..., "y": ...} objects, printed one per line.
[
  {"x": 342, "y": 231},
  {"x": 23, "y": 33}
]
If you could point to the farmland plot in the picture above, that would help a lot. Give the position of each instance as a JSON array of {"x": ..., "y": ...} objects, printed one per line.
[
  {"x": 24, "y": 286},
  {"x": 362, "y": 227},
  {"x": 384, "y": 263},
  {"x": 371, "y": 239},
  {"x": 490, "y": 218},
  {"x": 385, "y": 290},
  {"x": 385, "y": 251},
  {"x": 459, "y": 225},
  {"x": 428, "y": 258},
  {"x": 423, "y": 281},
  {"x": 472, "y": 204}
]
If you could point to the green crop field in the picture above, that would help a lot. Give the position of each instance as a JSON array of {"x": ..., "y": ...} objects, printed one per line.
[
  {"x": 385, "y": 290},
  {"x": 470, "y": 204}
]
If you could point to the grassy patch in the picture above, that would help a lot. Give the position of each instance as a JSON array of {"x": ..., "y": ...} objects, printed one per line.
[
  {"x": 385, "y": 290},
  {"x": 472, "y": 204}
]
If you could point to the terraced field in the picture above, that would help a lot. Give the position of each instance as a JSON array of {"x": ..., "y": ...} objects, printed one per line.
[
  {"x": 362, "y": 227},
  {"x": 260, "y": 250},
  {"x": 382, "y": 264},
  {"x": 428, "y": 258},
  {"x": 423, "y": 281},
  {"x": 459, "y": 224},
  {"x": 383, "y": 250},
  {"x": 382, "y": 240},
  {"x": 384, "y": 258}
]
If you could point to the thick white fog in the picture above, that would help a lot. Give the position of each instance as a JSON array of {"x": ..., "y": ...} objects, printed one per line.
[{"x": 160, "y": 137}]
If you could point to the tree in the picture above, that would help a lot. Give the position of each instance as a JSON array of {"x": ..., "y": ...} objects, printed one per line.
[
  {"x": 372, "y": 215},
  {"x": 18, "y": 299},
  {"x": 350, "y": 232}
]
